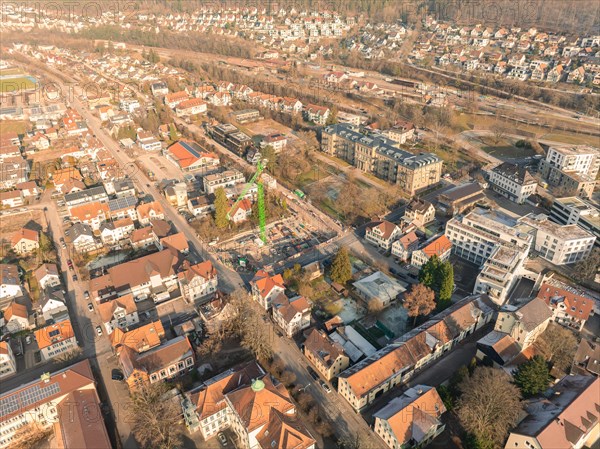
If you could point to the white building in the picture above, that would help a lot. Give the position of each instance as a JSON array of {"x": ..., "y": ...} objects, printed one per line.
[
  {"x": 10, "y": 284},
  {"x": 291, "y": 314},
  {"x": 513, "y": 182},
  {"x": 227, "y": 178},
  {"x": 379, "y": 287},
  {"x": 524, "y": 322},
  {"x": 119, "y": 313},
  {"x": 55, "y": 339},
  {"x": 198, "y": 281},
  {"x": 8, "y": 365},
  {"x": 559, "y": 244},
  {"x": 382, "y": 234},
  {"x": 574, "y": 210}
]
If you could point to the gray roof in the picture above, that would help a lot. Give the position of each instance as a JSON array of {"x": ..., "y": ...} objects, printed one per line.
[
  {"x": 122, "y": 203},
  {"x": 532, "y": 313},
  {"x": 462, "y": 191},
  {"x": 515, "y": 173},
  {"x": 79, "y": 229},
  {"x": 122, "y": 185},
  {"x": 382, "y": 145},
  {"x": 84, "y": 194}
]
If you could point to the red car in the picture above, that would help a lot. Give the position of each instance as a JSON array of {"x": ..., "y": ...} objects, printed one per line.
[{"x": 70, "y": 264}]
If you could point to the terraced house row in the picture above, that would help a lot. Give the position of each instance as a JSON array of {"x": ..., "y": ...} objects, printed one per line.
[{"x": 396, "y": 363}]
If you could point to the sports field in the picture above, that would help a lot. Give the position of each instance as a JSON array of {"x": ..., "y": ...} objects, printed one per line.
[{"x": 15, "y": 80}]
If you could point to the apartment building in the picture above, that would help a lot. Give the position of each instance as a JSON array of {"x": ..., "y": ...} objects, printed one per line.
[
  {"x": 291, "y": 314},
  {"x": 438, "y": 246},
  {"x": 120, "y": 313},
  {"x": 573, "y": 169},
  {"x": 231, "y": 138},
  {"x": 500, "y": 273},
  {"x": 198, "y": 281},
  {"x": 227, "y": 178},
  {"x": 559, "y": 244},
  {"x": 58, "y": 400},
  {"x": 419, "y": 212},
  {"x": 10, "y": 283},
  {"x": 459, "y": 199},
  {"x": 326, "y": 355},
  {"x": 512, "y": 181},
  {"x": 475, "y": 235},
  {"x": 246, "y": 400},
  {"x": 396, "y": 363},
  {"x": 247, "y": 115},
  {"x": 574, "y": 210},
  {"x": 382, "y": 157}
]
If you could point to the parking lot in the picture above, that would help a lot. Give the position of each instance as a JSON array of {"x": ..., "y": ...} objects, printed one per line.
[{"x": 162, "y": 168}]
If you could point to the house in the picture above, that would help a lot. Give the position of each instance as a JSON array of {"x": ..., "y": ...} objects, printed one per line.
[
  {"x": 91, "y": 214},
  {"x": 53, "y": 306},
  {"x": 335, "y": 77},
  {"x": 25, "y": 241},
  {"x": 291, "y": 314},
  {"x": 167, "y": 361},
  {"x": 143, "y": 237},
  {"x": 403, "y": 248},
  {"x": 198, "y": 281},
  {"x": 140, "y": 339},
  {"x": 16, "y": 318},
  {"x": 159, "y": 89},
  {"x": 172, "y": 100},
  {"x": 277, "y": 141},
  {"x": 220, "y": 99},
  {"x": 438, "y": 246},
  {"x": 524, "y": 322},
  {"x": 460, "y": 198},
  {"x": 119, "y": 313},
  {"x": 189, "y": 107},
  {"x": 12, "y": 198},
  {"x": 419, "y": 212},
  {"x": 247, "y": 400},
  {"x": 316, "y": 114},
  {"x": 587, "y": 358},
  {"x": 265, "y": 287},
  {"x": 8, "y": 364},
  {"x": 10, "y": 284},
  {"x": 512, "y": 181},
  {"x": 153, "y": 275},
  {"x": 47, "y": 275},
  {"x": 379, "y": 287},
  {"x": 55, "y": 339},
  {"x": 411, "y": 420},
  {"x": 13, "y": 171},
  {"x": 397, "y": 362},
  {"x": 75, "y": 196},
  {"x": 81, "y": 236},
  {"x": 64, "y": 399},
  {"x": 567, "y": 417},
  {"x": 382, "y": 234},
  {"x": 401, "y": 132},
  {"x": 326, "y": 355},
  {"x": 113, "y": 232},
  {"x": 147, "y": 142},
  {"x": 61, "y": 176},
  {"x": 241, "y": 211},
  {"x": 189, "y": 156},
  {"x": 149, "y": 211},
  {"x": 29, "y": 188},
  {"x": 178, "y": 242},
  {"x": 570, "y": 306},
  {"x": 200, "y": 206},
  {"x": 227, "y": 178},
  {"x": 177, "y": 194}
]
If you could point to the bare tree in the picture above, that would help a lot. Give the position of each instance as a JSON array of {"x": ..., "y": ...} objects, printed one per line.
[
  {"x": 489, "y": 405},
  {"x": 155, "y": 418},
  {"x": 29, "y": 436},
  {"x": 419, "y": 301},
  {"x": 557, "y": 344}
]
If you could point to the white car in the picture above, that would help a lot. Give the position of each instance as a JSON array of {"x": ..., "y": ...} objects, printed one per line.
[
  {"x": 90, "y": 307},
  {"x": 98, "y": 330}
]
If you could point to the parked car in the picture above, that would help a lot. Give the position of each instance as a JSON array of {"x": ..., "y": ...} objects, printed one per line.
[
  {"x": 117, "y": 374},
  {"x": 312, "y": 372},
  {"x": 75, "y": 278},
  {"x": 325, "y": 387},
  {"x": 86, "y": 295},
  {"x": 70, "y": 264},
  {"x": 98, "y": 330},
  {"x": 28, "y": 340},
  {"x": 222, "y": 439}
]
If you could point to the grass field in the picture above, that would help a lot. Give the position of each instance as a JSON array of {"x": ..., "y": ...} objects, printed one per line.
[
  {"x": 11, "y": 71},
  {"x": 504, "y": 148},
  {"x": 16, "y": 84}
]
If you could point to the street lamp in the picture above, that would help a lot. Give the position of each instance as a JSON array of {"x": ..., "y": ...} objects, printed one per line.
[{"x": 304, "y": 387}]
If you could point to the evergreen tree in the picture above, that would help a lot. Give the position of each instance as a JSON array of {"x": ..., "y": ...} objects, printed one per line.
[
  {"x": 221, "y": 208},
  {"x": 341, "y": 268},
  {"x": 428, "y": 273},
  {"x": 446, "y": 281},
  {"x": 532, "y": 377}
]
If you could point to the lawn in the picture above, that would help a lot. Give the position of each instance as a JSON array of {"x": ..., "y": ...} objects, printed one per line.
[
  {"x": 11, "y": 71},
  {"x": 504, "y": 148},
  {"x": 16, "y": 84}
]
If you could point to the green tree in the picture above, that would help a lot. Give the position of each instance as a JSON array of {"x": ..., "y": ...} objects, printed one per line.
[
  {"x": 341, "y": 267},
  {"x": 532, "y": 377},
  {"x": 332, "y": 118},
  {"x": 221, "y": 208},
  {"x": 428, "y": 272},
  {"x": 446, "y": 282}
]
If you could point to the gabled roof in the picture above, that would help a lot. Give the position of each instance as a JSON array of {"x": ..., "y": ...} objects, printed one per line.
[
  {"x": 204, "y": 269},
  {"x": 290, "y": 307},
  {"x": 577, "y": 303},
  {"x": 143, "y": 210},
  {"x": 265, "y": 283},
  {"x": 283, "y": 431},
  {"x": 177, "y": 241},
  {"x": 89, "y": 211},
  {"x": 15, "y": 310},
  {"x": 108, "y": 308},
  {"x": 140, "y": 339},
  {"x": 156, "y": 359},
  {"x": 323, "y": 347},
  {"x": 9, "y": 274},
  {"x": 439, "y": 246},
  {"x": 54, "y": 334},
  {"x": 386, "y": 228},
  {"x": 46, "y": 269},
  {"x": 24, "y": 234}
]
